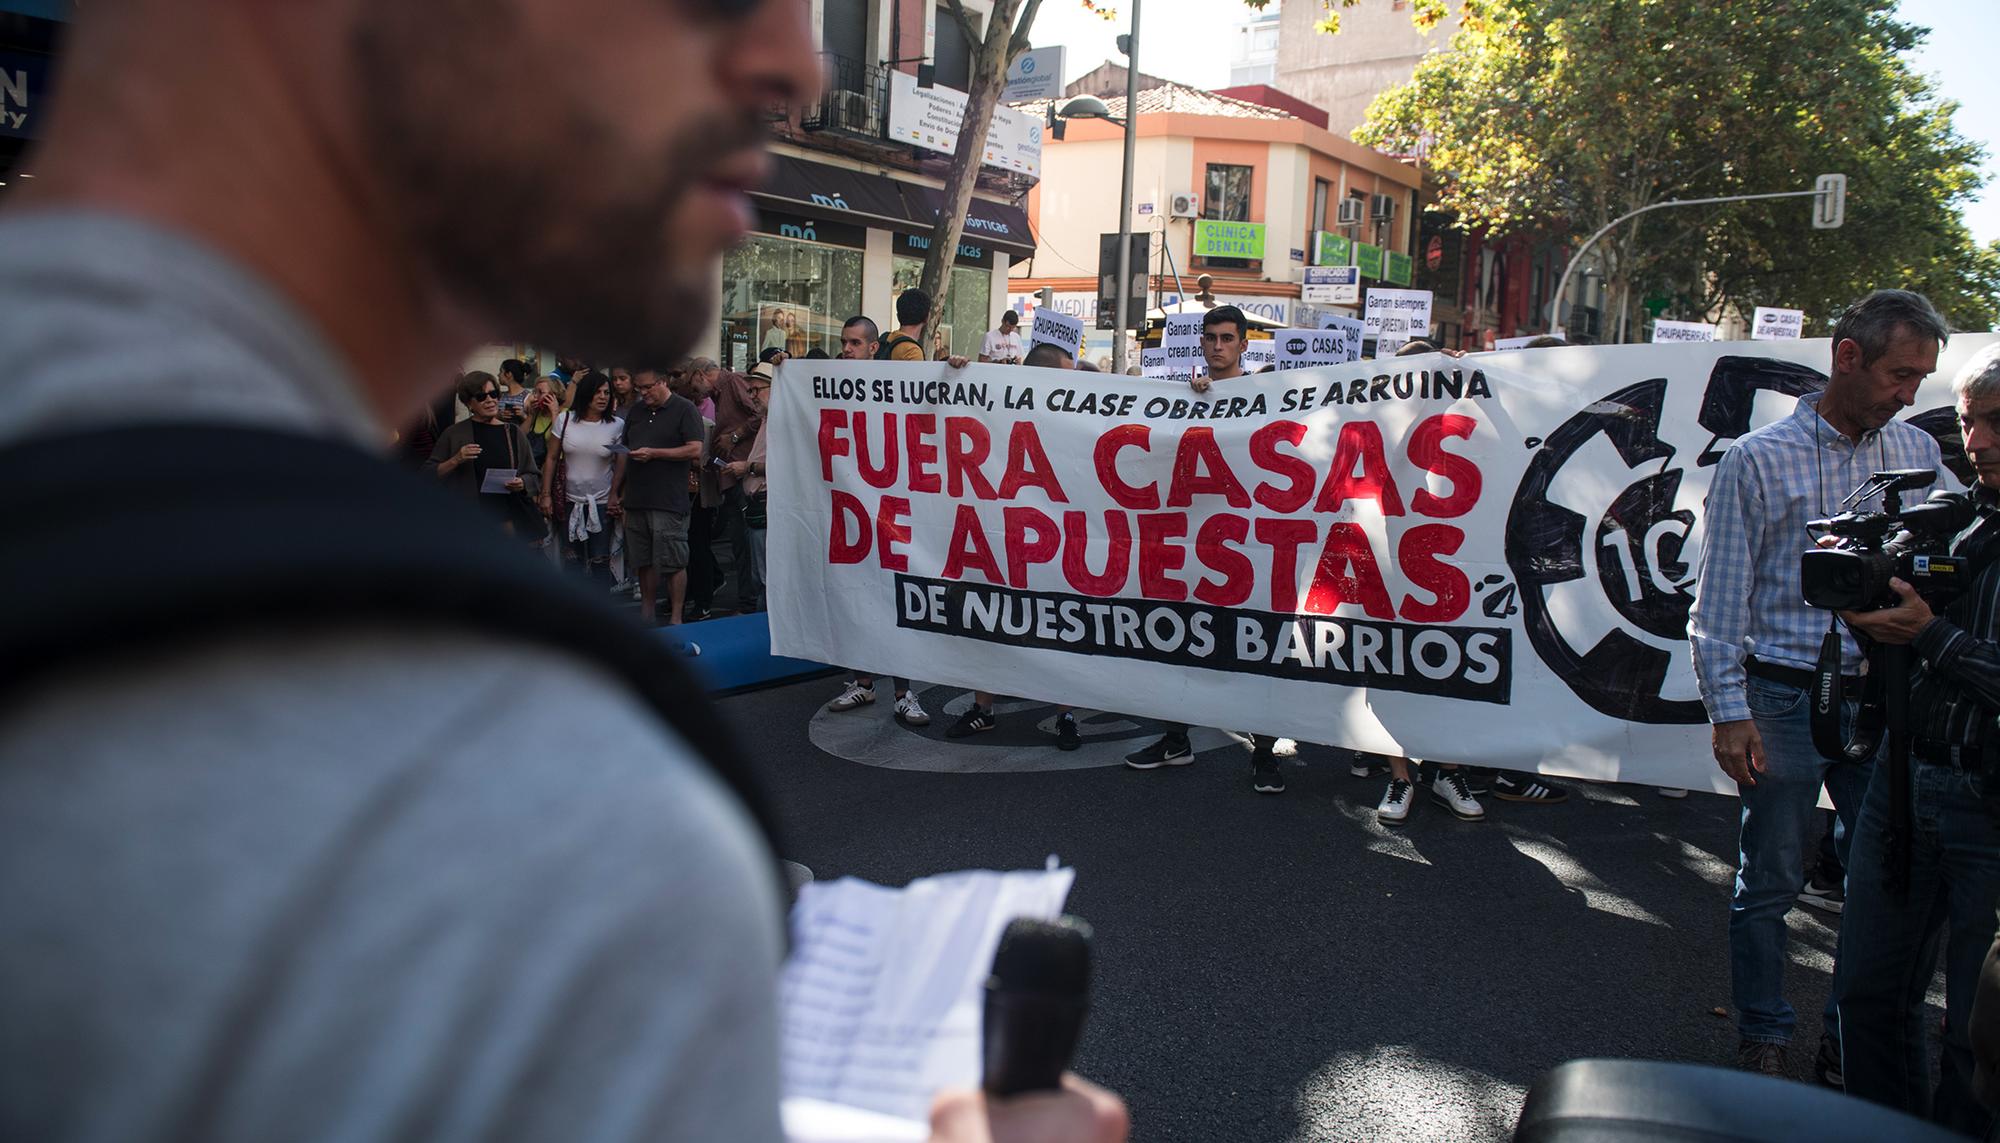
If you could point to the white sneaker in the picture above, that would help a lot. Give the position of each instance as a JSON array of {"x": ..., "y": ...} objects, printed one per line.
[
  {"x": 909, "y": 711},
  {"x": 1285, "y": 748},
  {"x": 1395, "y": 805},
  {"x": 1448, "y": 789},
  {"x": 855, "y": 695}
]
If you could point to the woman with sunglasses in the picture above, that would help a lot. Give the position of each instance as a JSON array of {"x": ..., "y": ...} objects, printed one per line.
[{"x": 466, "y": 451}]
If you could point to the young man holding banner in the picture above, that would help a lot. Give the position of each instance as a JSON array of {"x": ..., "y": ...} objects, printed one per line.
[
  {"x": 1222, "y": 341},
  {"x": 1756, "y": 641}
]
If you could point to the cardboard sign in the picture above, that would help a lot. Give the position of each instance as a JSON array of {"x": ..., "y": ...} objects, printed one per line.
[
  {"x": 1057, "y": 329},
  {"x": 1683, "y": 331},
  {"x": 1397, "y": 315},
  {"x": 1182, "y": 344},
  {"x": 1258, "y": 353},
  {"x": 1306, "y": 348},
  {"x": 1774, "y": 324},
  {"x": 1332, "y": 285}
]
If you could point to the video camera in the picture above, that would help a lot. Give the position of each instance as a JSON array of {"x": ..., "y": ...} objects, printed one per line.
[{"x": 1912, "y": 545}]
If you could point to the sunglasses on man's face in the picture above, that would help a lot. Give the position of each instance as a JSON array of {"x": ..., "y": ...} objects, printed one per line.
[{"x": 488, "y": 395}]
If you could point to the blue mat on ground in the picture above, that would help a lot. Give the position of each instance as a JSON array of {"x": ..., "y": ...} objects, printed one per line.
[{"x": 736, "y": 653}]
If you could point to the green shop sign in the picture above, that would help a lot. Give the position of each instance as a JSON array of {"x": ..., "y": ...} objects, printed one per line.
[
  {"x": 1214, "y": 238},
  {"x": 1333, "y": 249},
  {"x": 1396, "y": 268},
  {"x": 1369, "y": 258}
]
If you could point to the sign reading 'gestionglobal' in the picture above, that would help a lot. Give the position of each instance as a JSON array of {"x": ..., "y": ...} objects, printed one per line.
[{"x": 1375, "y": 555}]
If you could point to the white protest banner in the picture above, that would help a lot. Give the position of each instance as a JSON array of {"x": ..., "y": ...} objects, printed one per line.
[
  {"x": 1515, "y": 342},
  {"x": 1373, "y": 556},
  {"x": 1774, "y": 324},
  {"x": 1057, "y": 329},
  {"x": 1334, "y": 285},
  {"x": 1306, "y": 348},
  {"x": 1683, "y": 331},
  {"x": 1257, "y": 353},
  {"x": 1397, "y": 315}
]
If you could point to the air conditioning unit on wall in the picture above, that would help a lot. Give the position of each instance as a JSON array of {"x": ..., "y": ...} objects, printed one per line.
[
  {"x": 1350, "y": 212},
  {"x": 1381, "y": 206},
  {"x": 1182, "y": 205}
]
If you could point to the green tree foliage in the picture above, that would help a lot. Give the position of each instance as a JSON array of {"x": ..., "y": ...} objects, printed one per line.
[{"x": 1561, "y": 115}]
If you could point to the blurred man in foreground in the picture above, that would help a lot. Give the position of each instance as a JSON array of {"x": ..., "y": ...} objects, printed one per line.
[{"x": 331, "y": 878}]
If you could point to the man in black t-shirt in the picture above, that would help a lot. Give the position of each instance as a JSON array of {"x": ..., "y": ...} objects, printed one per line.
[{"x": 664, "y": 433}]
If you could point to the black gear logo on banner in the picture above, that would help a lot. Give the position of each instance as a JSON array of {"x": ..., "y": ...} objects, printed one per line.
[{"x": 1606, "y": 576}]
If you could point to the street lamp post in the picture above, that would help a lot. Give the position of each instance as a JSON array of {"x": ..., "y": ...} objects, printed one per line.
[
  {"x": 1830, "y": 190},
  {"x": 1125, "y": 193}
]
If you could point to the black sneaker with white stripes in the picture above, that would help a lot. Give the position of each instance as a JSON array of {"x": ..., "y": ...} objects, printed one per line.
[{"x": 1509, "y": 787}]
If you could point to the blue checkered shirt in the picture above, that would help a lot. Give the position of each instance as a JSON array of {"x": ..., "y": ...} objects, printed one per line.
[{"x": 1747, "y": 595}]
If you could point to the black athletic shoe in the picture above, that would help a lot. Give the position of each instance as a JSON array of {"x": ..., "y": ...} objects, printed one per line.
[
  {"x": 972, "y": 722},
  {"x": 1527, "y": 788},
  {"x": 1478, "y": 779},
  {"x": 1366, "y": 765},
  {"x": 1827, "y": 894},
  {"x": 1170, "y": 750},
  {"x": 1265, "y": 776},
  {"x": 1068, "y": 737},
  {"x": 1826, "y": 1063}
]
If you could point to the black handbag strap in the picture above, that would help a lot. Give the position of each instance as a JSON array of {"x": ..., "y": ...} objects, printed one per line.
[{"x": 242, "y": 530}]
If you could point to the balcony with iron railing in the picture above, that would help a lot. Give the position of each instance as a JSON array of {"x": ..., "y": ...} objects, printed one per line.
[{"x": 855, "y": 102}]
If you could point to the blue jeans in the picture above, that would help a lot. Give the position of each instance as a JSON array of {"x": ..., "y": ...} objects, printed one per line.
[
  {"x": 1888, "y": 947},
  {"x": 1778, "y": 823}
]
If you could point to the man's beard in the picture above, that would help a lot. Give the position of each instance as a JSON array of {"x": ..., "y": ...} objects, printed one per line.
[{"x": 566, "y": 241}]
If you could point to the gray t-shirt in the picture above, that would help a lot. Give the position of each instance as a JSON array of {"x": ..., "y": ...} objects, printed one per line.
[{"x": 355, "y": 884}]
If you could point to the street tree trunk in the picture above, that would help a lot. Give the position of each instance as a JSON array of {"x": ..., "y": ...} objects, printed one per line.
[{"x": 1002, "y": 42}]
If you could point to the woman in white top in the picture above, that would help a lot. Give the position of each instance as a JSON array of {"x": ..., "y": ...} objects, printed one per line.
[{"x": 581, "y": 444}]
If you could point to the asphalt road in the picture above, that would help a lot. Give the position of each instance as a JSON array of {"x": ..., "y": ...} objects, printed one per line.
[{"x": 1285, "y": 967}]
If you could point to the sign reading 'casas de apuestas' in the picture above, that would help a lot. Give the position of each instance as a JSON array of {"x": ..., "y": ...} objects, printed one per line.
[{"x": 1214, "y": 238}]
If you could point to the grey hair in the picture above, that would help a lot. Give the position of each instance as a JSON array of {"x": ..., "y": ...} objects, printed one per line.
[
  {"x": 1980, "y": 377},
  {"x": 700, "y": 365},
  {"x": 1873, "y": 321}
]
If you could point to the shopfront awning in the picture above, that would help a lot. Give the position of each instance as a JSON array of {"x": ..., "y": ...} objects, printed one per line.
[{"x": 800, "y": 186}]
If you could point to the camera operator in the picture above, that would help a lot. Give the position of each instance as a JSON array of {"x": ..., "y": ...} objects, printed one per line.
[
  {"x": 1889, "y": 939},
  {"x": 1756, "y": 641}
]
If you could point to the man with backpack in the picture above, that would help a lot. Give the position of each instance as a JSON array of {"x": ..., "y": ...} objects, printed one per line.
[{"x": 906, "y": 343}]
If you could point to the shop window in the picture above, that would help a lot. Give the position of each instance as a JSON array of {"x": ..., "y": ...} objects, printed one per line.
[
  {"x": 785, "y": 293},
  {"x": 967, "y": 306},
  {"x": 953, "y": 54},
  {"x": 1227, "y": 197}
]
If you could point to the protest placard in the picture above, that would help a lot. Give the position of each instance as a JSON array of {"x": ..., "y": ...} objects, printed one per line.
[
  {"x": 1683, "y": 331},
  {"x": 1774, "y": 324},
  {"x": 1257, "y": 353},
  {"x": 1305, "y": 348},
  {"x": 1397, "y": 315},
  {"x": 1057, "y": 329}
]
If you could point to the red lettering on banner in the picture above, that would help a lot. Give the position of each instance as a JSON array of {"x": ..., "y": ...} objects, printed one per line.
[
  {"x": 1418, "y": 555},
  {"x": 966, "y": 446},
  {"x": 1427, "y": 452},
  {"x": 1117, "y": 560},
  {"x": 1106, "y": 453},
  {"x": 1031, "y": 538},
  {"x": 1285, "y": 537},
  {"x": 1200, "y": 470},
  {"x": 970, "y": 548},
  {"x": 1157, "y": 557},
  {"x": 840, "y": 549},
  {"x": 1360, "y": 442},
  {"x": 891, "y": 528},
  {"x": 1265, "y": 455},
  {"x": 1211, "y": 546},
  {"x": 920, "y": 453},
  {"x": 831, "y": 442},
  {"x": 1028, "y": 465},
  {"x": 1347, "y": 573},
  {"x": 877, "y": 475}
]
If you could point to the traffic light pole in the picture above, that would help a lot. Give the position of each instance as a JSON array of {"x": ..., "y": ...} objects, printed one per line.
[
  {"x": 1562, "y": 286},
  {"x": 1124, "y": 299}
]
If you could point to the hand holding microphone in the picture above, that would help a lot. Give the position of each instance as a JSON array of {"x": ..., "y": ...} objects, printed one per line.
[{"x": 1036, "y": 1000}]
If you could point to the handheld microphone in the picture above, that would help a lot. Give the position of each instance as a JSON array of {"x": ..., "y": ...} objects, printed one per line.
[{"x": 1035, "y": 1003}]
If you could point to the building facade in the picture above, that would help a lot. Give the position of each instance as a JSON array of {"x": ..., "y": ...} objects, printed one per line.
[
  {"x": 1376, "y": 49},
  {"x": 1275, "y": 180}
]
